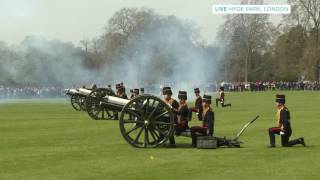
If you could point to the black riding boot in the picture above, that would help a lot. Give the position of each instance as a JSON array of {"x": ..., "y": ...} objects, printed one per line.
[{"x": 272, "y": 138}]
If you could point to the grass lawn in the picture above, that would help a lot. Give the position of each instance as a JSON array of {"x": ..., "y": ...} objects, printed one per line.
[{"x": 47, "y": 139}]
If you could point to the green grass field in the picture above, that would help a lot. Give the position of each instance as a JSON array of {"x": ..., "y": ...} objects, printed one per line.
[{"x": 47, "y": 139}]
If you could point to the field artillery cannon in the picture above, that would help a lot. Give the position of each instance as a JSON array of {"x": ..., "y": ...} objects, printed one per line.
[
  {"x": 78, "y": 98},
  {"x": 145, "y": 121}
]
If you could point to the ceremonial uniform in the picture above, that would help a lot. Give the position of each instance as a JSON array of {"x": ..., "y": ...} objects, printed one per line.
[
  {"x": 120, "y": 94},
  {"x": 136, "y": 92},
  {"x": 207, "y": 127},
  {"x": 182, "y": 113},
  {"x": 221, "y": 99},
  {"x": 131, "y": 94},
  {"x": 283, "y": 127},
  {"x": 175, "y": 106},
  {"x": 142, "y": 91},
  {"x": 110, "y": 91},
  {"x": 197, "y": 106}
]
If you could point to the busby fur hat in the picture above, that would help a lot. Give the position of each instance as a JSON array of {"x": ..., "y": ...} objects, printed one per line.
[
  {"x": 142, "y": 89},
  {"x": 166, "y": 90},
  {"x": 221, "y": 88},
  {"x": 206, "y": 98},
  {"x": 280, "y": 98},
  {"x": 182, "y": 95},
  {"x": 196, "y": 90}
]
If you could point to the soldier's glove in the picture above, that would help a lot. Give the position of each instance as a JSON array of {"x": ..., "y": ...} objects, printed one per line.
[{"x": 282, "y": 132}]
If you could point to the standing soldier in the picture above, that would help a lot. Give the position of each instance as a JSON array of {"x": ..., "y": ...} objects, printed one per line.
[
  {"x": 283, "y": 126},
  {"x": 110, "y": 91},
  {"x": 117, "y": 87},
  {"x": 182, "y": 113},
  {"x": 136, "y": 92},
  {"x": 122, "y": 85},
  {"x": 197, "y": 106},
  {"x": 122, "y": 92},
  {"x": 221, "y": 99},
  {"x": 131, "y": 93},
  {"x": 142, "y": 91},
  {"x": 167, "y": 93},
  {"x": 207, "y": 127}
]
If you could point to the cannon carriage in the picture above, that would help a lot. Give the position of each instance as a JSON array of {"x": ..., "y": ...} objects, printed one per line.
[{"x": 78, "y": 99}]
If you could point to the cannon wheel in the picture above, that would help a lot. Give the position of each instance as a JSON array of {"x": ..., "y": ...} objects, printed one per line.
[
  {"x": 146, "y": 121},
  {"x": 75, "y": 102},
  {"x": 94, "y": 106}
]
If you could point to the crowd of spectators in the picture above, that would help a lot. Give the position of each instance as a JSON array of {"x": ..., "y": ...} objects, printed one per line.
[
  {"x": 56, "y": 92},
  {"x": 269, "y": 86},
  {"x": 30, "y": 92}
]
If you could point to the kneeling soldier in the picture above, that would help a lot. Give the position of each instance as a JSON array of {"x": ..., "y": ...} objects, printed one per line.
[
  {"x": 221, "y": 99},
  {"x": 207, "y": 127},
  {"x": 283, "y": 127},
  {"x": 197, "y": 106}
]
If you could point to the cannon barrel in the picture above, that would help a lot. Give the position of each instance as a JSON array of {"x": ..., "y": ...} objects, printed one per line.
[
  {"x": 70, "y": 91},
  {"x": 115, "y": 100},
  {"x": 84, "y": 91}
]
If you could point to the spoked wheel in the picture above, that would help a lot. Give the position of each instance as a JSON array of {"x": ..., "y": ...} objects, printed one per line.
[
  {"x": 75, "y": 102},
  {"x": 95, "y": 107},
  {"x": 82, "y": 101},
  {"x": 146, "y": 121}
]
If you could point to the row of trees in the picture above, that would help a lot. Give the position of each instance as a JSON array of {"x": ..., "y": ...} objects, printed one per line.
[
  {"x": 257, "y": 50},
  {"x": 140, "y": 46}
]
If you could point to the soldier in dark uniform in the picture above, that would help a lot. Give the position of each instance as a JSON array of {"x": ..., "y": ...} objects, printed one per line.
[
  {"x": 182, "y": 113},
  {"x": 283, "y": 126},
  {"x": 122, "y": 85},
  {"x": 117, "y": 87},
  {"x": 221, "y": 99},
  {"x": 131, "y": 94},
  {"x": 110, "y": 91},
  {"x": 197, "y": 106},
  {"x": 142, "y": 91},
  {"x": 207, "y": 127},
  {"x": 136, "y": 92},
  {"x": 167, "y": 93},
  {"x": 122, "y": 92}
]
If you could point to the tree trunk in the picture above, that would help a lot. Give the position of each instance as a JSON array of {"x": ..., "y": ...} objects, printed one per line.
[{"x": 246, "y": 65}]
